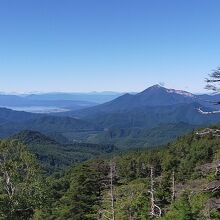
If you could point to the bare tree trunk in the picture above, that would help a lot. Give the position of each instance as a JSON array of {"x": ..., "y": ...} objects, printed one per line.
[
  {"x": 155, "y": 210},
  {"x": 209, "y": 131},
  {"x": 217, "y": 169},
  {"x": 173, "y": 187},
  {"x": 152, "y": 192},
  {"x": 110, "y": 214},
  {"x": 208, "y": 214},
  {"x": 112, "y": 171},
  {"x": 8, "y": 185}
]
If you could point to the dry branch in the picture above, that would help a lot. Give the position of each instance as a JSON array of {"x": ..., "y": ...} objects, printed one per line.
[
  {"x": 213, "y": 186},
  {"x": 106, "y": 214},
  {"x": 173, "y": 187},
  {"x": 208, "y": 131},
  {"x": 155, "y": 209}
]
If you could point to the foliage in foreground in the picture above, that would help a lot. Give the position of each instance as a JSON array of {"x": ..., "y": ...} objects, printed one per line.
[
  {"x": 22, "y": 189},
  {"x": 193, "y": 160},
  {"x": 99, "y": 189}
]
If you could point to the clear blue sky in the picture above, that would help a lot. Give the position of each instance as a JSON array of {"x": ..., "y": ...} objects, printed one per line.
[{"x": 120, "y": 45}]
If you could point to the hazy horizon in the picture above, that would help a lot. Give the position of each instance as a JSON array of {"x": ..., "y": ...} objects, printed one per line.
[{"x": 110, "y": 92}]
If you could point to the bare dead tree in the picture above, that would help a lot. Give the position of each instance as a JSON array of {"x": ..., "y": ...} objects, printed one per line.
[
  {"x": 212, "y": 84},
  {"x": 8, "y": 184},
  {"x": 110, "y": 215},
  {"x": 208, "y": 211},
  {"x": 155, "y": 209},
  {"x": 173, "y": 186},
  {"x": 208, "y": 131},
  {"x": 112, "y": 172},
  {"x": 214, "y": 78},
  {"x": 213, "y": 186},
  {"x": 217, "y": 169}
]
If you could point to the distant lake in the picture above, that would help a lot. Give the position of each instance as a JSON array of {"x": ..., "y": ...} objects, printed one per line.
[{"x": 37, "y": 109}]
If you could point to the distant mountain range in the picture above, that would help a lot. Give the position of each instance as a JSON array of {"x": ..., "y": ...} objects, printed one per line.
[
  {"x": 94, "y": 97},
  {"x": 25, "y": 102},
  {"x": 63, "y": 102},
  {"x": 153, "y": 96},
  {"x": 53, "y": 101},
  {"x": 155, "y": 105},
  {"x": 130, "y": 117}
]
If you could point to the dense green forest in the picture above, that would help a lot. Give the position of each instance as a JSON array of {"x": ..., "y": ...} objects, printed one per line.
[
  {"x": 55, "y": 156},
  {"x": 141, "y": 138},
  {"x": 179, "y": 181}
]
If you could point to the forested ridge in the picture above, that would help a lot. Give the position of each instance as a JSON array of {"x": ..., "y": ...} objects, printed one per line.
[
  {"x": 178, "y": 181},
  {"x": 55, "y": 156}
]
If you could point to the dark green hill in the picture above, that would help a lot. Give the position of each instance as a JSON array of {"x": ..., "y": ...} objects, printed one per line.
[
  {"x": 150, "y": 117},
  {"x": 142, "y": 138},
  {"x": 12, "y": 122},
  {"x": 29, "y": 137},
  {"x": 54, "y": 155},
  {"x": 8, "y": 115}
]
